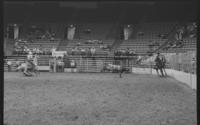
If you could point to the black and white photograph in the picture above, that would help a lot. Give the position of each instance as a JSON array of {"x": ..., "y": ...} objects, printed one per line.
[{"x": 100, "y": 62}]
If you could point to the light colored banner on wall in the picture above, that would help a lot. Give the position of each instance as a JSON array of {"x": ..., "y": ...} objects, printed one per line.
[
  {"x": 16, "y": 31},
  {"x": 71, "y": 33}
]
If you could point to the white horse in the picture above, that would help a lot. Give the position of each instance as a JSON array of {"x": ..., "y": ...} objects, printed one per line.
[
  {"x": 115, "y": 68},
  {"x": 28, "y": 69}
]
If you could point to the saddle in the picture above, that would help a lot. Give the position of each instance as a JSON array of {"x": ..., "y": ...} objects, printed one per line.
[{"x": 30, "y": 65}]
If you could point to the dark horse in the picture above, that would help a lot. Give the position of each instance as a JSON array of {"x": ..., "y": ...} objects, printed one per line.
[{"x": 159, "y": 65}]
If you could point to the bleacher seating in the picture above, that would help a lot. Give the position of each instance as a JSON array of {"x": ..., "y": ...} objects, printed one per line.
[
  {"x": 189, "y": 44},
  {"x": 73, "y": 43},
  {"x": 98, "y": 31},
  {"x": 137, "y": 43},
  {"x": 151, "y": 32},
  {"x": 13, "y": 59}
]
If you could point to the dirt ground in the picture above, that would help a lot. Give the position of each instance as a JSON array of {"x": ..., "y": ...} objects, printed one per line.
[{"x": 97, "y": 99}]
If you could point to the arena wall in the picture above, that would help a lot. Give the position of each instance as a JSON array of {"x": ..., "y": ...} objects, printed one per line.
[{"x": 187, "y": 78}]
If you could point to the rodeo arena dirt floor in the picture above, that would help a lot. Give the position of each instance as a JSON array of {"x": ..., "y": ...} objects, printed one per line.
[{"x": 97, "y": 99}]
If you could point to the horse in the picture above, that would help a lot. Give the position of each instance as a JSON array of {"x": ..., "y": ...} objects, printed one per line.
[
  {"x": 30, "y": 69},
  {"x": 159, "y": 65},
  {"x": 115, "y": 69}
]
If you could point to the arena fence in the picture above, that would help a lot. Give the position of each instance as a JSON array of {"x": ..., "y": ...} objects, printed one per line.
[
  {"x": 185, "y": 62},
  {"x": 97, "y": 63}
]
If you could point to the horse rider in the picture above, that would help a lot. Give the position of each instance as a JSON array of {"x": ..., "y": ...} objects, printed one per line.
[
  {"x": 164, "y": 61},
  {"x": 29, "y": 61},
  {"x": 159, "y": 64},
  {"x": 35, "y": 60}
]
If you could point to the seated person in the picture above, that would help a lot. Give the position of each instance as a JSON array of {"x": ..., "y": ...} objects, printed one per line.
[
  {"x": 72, "y": 51},
  {"x": 127, "y": 51},
  {"x": 78, "y": 44},
  {"x": 90, "y": 42},
  {"x": 100, "y": 42},
  {"x": 37, "y": 50},
  {"x": 82, "y": 51},
  {"x": 16, "y": 44},
  {"x": 53, "y": 49},
  {"x": 9, "y": 64},
  {"x": 101, "y": 46},
  {"x": 93, "y": 50},
  {"x": 123, "y": 52},
  {"x": 34, "y": 50},
  {"x": 88, "y": 51},
  {"x": 104, "y": 46},
  {"x": 76, "y": 50},
  {"x": 73, "y": 64},
  {"x": 60, "y": 64}
]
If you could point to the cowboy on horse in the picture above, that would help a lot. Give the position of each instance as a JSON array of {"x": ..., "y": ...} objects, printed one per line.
[
  {"x": 159, "y": 64},
  {"x": 29, "y": 65}
]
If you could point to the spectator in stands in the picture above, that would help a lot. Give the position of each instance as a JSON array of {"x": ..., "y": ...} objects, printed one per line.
[
  {"x": 72, "y": 51},
  {"x": 9, "y": 63},
  {"x": 123, "y": 52},
  {"x": 26, "y": 50},
  {"x": 162, "y": 36},
  {"x": 100, "y": 42},
  {"x": 109, "y": 47},
  {"x": 60, "y": 64},
  {"x": 53, "y": 34},
  {"x": 88, "y": 51},
  {"x": 93, "y": 51},
  {"x": 53, "y": 49},
  {"x": 52, "y": 39},
  {"x": 139, "y": 59},
  {"x": 52, "y": 64},
  {"x": 82, "y": 51},
  {"x": 132, "y": 53},
  {"x": 73, "y": 65},
  {"x": 66, "y": 54},
  {"x": 76, "y": 50},
  {"x": 37, "y": 51},
  {"x": 127, "y": 51},
  {"x": 78, "y": 44},
  {"x": 16, "y": 44},
  {"x": 101, "y": 46},
  {"x": 34, "y": 50},
  {"x": 179, "y": 34},
  {"x": 25, "y": 42},
  {"x": 116, "y": 52}
]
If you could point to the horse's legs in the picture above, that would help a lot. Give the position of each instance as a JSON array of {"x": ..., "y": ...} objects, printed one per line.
[
  {"x": 161, "y": 70},
  {"x": 157, "y": 72},
  {"x": 165, "y": 71},
  {"x": 120, "y": 73},
  {"x": 25, "y": 70},
  {"x": 36, "y": 71}
]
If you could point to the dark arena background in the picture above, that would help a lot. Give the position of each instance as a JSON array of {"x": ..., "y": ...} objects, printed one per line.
[{"x": 96, "y": 63}]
